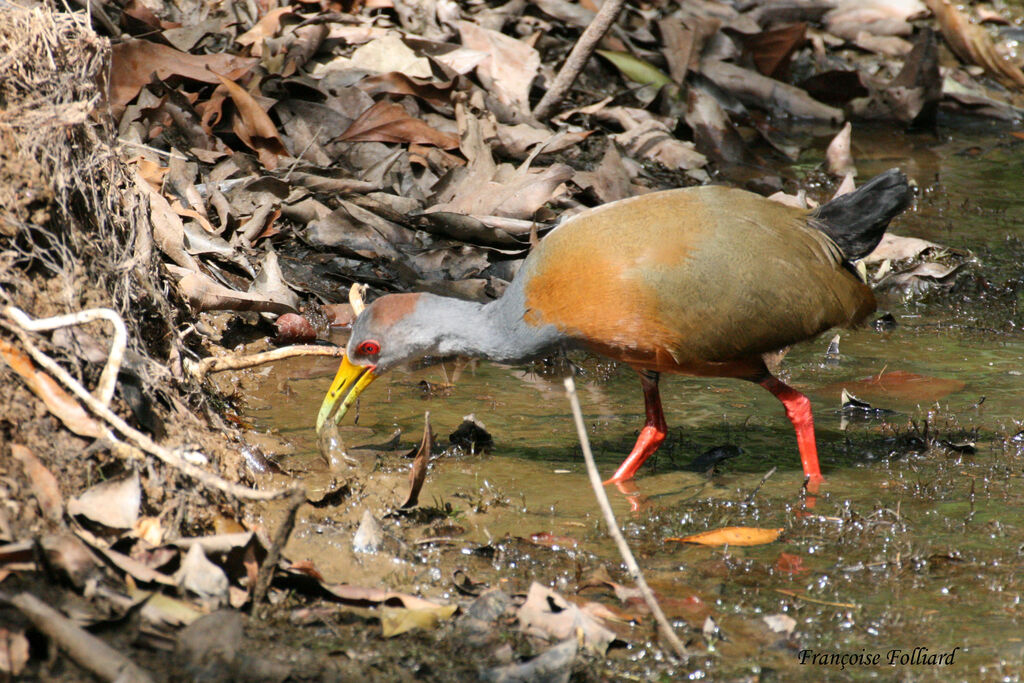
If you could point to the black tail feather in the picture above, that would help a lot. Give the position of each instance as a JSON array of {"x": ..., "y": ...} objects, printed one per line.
[{"x": 857, "y": 221}]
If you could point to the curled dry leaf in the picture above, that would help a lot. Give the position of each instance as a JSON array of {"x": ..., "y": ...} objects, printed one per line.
[
  {"x": 839, "y": 156},
  {"x": 57, "y": 401},
  {"x": 268, "y": 26},
  {"x": 382, "y": 55},
  {"x": 203, "y": 578},
  {"x": 898, "y": 248},
  {"x": 13, "y": 652},
  {"x": 361, "y": 595},
  {"x": 134, "y": 62},
  {"x": 756, "y": 90},
  {"x": 418, "y": 473},
  {"x": 972, "y": 43},
  {"x": 168, "y": 230},
  {"x": 921, "y": 278},
  {"x": 547, "y": 614},
  {"x": 369, "y": 537},
  {"x": 510, "y": 67},
  {"x": 254, "y": 127},
  {"x": 651, "y": 139},
  {"x": 206, "y": 295},
  {"x": 732, "y": 535},
  {"x": 44, "y": 485},
  {"x": 387, "y": 121},
  {"x": 270, "y": 283},
  {"x": 306, "y": 43},
  {"x": 772, "y": 50},
  {"x": 114, "y": 503}
]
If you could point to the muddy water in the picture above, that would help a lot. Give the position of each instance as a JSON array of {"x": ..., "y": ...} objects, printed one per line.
[{"x": 916, "y": 541}]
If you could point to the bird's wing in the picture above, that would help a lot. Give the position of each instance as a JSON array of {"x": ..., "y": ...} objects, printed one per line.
[{"x": 702, "y": 276}]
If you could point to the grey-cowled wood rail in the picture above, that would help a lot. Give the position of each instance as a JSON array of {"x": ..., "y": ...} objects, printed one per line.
[{"x": 700, "y": 281}]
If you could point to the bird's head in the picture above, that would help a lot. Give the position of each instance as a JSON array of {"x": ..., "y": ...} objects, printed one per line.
[{"x": 384, "y": 335}]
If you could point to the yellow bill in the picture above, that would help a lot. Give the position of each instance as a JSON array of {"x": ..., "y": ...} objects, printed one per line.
[{"x": 345, "y": 389}]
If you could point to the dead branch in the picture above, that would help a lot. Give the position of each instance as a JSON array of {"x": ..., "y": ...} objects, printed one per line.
[
  {"x": 613, "y": 527},
  {"x": 231, "y": 362},
  {"x": 577, "y": 59},
  {"x": 296, "y": 497},
  {"x": 140, "y": 440},
  {"x": 108, "y": 378},
  {"x": 87, "y": 650}
]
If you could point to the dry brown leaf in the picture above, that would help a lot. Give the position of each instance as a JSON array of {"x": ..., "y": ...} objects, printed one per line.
[
  {"x": 510, "y": 67},
  {"x": 13, "y": 652},
  {"x": 548, "y": 615},
  {"x": 973, "y": 44},
  {"x": 206, "y": 295},
  {"x": 203, "y": 578},
  {"x": 418, "y": 473},
  {"x": 306, "y": 42},
  {"x": 898, "y": 248},
  {"x": 114, "y": 503},
  {"x": 268, "y": 26},
  {"x": 254, "y": 127},
  {"x": 839, "y": 156},
  {"x": 397, "y": 83},
  {"x": 168, "y": 230},
  {"x": 756, "y": 90},
  {"x": 152, "y": 172},
  {"x": 134, "y": 62},
  {"x": 651, "y": 139},
  {"x": 44, "y": 485},
  {"x": 389, "y": 122},
  {"x": 732, "y": 535},
  {"x": 772, "y": 50},
  {"x": 57, "y": 401},
  {"x": 390, "y": 53}
]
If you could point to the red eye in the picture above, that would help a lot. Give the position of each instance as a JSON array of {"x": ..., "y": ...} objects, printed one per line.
[{"x": 368, "y": 348}]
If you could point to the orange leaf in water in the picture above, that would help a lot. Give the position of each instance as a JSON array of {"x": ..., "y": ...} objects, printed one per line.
[
  {"x": 898, "y": 385},
  {"x": 552, "y": 541},
  {"x": 732, "y": 535},
  {"x": 790, "y": 564}
]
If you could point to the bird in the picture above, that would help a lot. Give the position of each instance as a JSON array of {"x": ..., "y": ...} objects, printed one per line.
[{"x": 705, "y": 281}]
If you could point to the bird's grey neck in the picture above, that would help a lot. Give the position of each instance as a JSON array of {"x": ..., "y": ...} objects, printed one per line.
[{"x": 495, "y": 331}]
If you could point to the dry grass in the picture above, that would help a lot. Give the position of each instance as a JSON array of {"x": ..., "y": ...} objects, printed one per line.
[{"x": 73, "y": 228}]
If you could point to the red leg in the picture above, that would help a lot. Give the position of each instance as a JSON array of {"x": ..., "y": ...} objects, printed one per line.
[
  {"x": 798, "y": 410},
  {"x": 651, "y": 435}
]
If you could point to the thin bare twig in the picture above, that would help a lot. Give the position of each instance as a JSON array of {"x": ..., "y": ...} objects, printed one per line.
[
  {"x": 613, "y": 527},
  {"x": 85, "y": 649},
  {"x": 219, "y": 363},
  {"x": 108, "y": 378},
  {"x": 296, "y": 498},
  {"x": 757, "y": 488},
  {"x": 141, "y": 440},
  {"x": 574, "y": 64}
]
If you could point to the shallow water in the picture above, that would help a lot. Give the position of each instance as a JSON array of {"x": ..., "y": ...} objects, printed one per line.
[{"x": 911, "y": 544}]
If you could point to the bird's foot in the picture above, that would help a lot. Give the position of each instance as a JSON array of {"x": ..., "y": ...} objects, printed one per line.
[{"x": 647, "y": 443}]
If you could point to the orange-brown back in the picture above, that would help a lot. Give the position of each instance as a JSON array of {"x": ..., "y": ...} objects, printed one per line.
[{"x": 687, "y": 279}]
